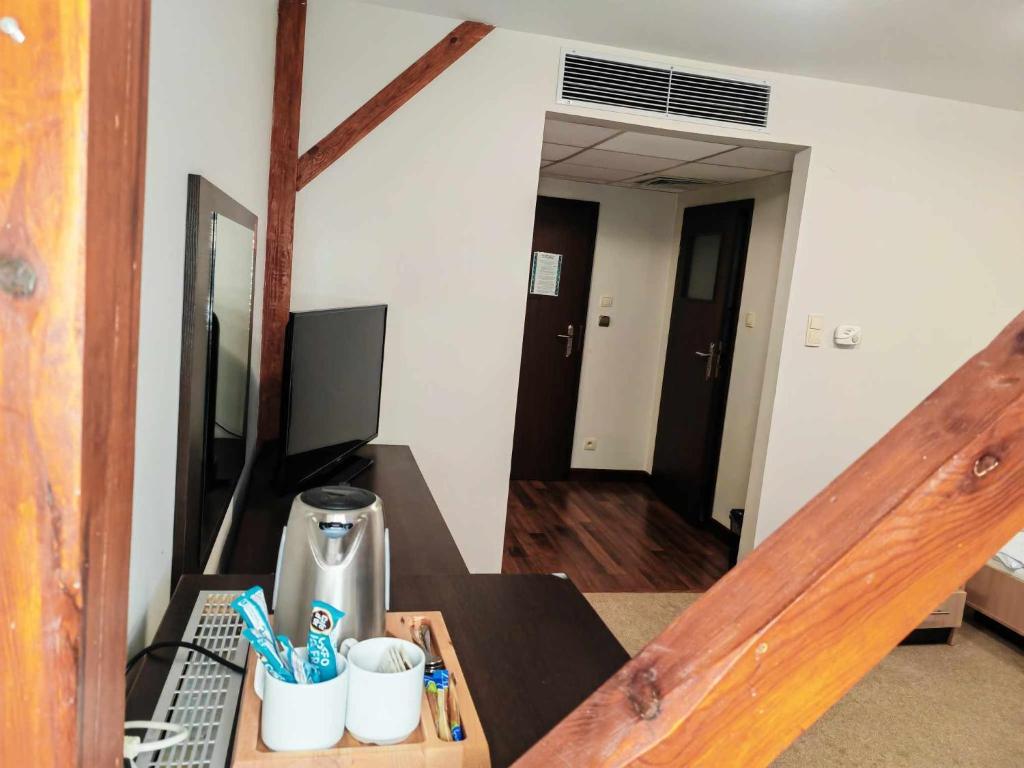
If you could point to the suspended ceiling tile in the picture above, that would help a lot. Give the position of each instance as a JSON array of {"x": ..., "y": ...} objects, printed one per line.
[
  {"x": 600, "y": 158},
  {"x": 753, "y": 157},
  {"x": 586, "y": 172},
  {"x": 553, "y": 152},
  {"x": 575, "y": 134},
  {"x": 654, "y": 145}
]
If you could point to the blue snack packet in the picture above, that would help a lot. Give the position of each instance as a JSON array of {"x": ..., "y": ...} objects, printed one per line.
[{"x": 321, "y": 639}]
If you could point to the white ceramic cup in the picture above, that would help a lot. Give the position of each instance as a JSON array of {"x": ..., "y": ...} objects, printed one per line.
[
  {"x": 302, "y": 716},
  {"x": 383, "y": 707}
]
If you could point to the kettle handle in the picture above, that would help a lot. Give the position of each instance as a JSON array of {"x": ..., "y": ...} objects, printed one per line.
[{"x": 351, "y": 540}]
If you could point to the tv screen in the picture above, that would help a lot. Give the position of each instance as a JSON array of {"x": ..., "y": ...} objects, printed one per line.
[{"x": 333, "y": 364}]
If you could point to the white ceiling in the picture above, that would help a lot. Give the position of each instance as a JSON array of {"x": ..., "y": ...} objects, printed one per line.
[
  {"x": 970, "y": 50},
  {"x": 631, "y": 158}
]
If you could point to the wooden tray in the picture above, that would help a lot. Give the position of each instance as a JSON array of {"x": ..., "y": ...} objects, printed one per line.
[{"x": 423, "y": 749}]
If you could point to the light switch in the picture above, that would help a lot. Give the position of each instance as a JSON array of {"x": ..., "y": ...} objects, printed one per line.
[
  {"x": 815, "y": 322},
  {"x": 813, "y": 337},
  {"x": 847, "y": 336},
  {"x": 606, "y": 301},
  {"x": 749, "y": 319}
]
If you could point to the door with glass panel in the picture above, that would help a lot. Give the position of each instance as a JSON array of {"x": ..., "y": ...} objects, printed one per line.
[{"x": 698, "y": 359}]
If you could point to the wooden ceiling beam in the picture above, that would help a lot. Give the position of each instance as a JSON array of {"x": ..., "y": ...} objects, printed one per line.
[
  {"x": 389, "y": 99},
  {"x": 744, "y": 671}
]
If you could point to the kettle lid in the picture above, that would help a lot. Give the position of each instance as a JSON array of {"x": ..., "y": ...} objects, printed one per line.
[{"x": 338, "y": 498}]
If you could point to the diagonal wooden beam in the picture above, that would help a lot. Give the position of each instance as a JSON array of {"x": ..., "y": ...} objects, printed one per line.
[
  {"x": 774, "y": 644},
  {"x": 390, "y": 98},
  {"x": 284, "y": 154}
]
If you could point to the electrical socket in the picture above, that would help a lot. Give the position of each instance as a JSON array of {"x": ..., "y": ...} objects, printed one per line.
[{"x": 590, "y": 444}]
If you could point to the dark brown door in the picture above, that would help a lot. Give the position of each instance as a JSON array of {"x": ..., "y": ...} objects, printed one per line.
[
  {"x": 698, "y": 361},
  {"x": 564, "y": 232}
]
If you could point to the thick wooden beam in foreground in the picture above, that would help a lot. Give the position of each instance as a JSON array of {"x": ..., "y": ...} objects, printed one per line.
[
  {"x": 772, "y": 646},
  {"x": 72, "y": 159},
  {"x": 284, "y": 155},
  {"x": 390, "y": 98}
]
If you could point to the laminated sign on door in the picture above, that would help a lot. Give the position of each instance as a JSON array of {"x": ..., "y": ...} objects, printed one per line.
[{"x": 545, "y": 273}]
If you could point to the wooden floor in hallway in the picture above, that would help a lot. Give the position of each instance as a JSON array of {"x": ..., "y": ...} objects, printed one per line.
[{"x": 608, "y": 536}]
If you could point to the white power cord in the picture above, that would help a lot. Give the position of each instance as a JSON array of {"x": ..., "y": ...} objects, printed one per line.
[{"x": 135, "y": 746}]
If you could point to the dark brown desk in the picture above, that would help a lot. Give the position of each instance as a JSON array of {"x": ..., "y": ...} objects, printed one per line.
[
  {"x": 420, "y": 539},
  {"x": 531, "y": 647}
]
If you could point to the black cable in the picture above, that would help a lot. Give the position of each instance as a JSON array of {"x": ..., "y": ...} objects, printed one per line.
[{"x": 182, "y": 644}]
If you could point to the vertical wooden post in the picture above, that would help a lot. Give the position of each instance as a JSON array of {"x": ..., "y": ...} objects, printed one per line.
[
  {"x": 72, "y": 158},
  {"x": 284, "y": 160}
]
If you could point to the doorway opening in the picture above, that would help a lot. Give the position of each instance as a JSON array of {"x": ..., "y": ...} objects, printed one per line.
[{"x": 652, "y": 285}]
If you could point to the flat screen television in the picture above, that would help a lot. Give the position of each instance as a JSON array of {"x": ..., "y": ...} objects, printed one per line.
[{"x": 330, "y": 399}]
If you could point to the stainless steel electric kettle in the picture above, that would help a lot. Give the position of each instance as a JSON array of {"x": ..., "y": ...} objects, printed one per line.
[{"x": 334, "y": 549}]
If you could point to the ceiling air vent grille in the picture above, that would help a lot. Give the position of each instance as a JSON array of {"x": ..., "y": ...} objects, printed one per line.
[
  {"x": 719, "y": 99},
  {"x": 671, "y": 182},
  {"x": 662, "y": 90},
  {"x": 614, "y": 83}
]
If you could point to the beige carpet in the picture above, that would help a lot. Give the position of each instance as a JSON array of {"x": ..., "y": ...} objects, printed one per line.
[{"x": 924, "y": 706}]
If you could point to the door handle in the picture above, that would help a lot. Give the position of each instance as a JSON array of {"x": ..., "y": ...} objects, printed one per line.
[
  {"x": 568, "y": 336},
  {"x": 709, "y": 367}
]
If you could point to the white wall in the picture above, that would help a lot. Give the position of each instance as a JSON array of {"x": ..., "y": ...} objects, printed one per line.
[
  {"x": 771, "y": 196},
  {"x": 431, "y": 213},
  {"x": 635, "y": 252},
  {"x": 911, "y": 227},
  {"x": 210, "y": 99}
]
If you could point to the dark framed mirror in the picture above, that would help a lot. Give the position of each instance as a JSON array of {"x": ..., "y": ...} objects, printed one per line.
[{"x": 216, "y": 355}]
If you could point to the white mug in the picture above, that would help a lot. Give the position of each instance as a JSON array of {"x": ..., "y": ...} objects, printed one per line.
[
  {"x": 302, "y": 716},
  {"x": 383, "y": 707}
]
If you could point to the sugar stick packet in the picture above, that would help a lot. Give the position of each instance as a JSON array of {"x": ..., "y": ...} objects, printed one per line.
[
  {"x": 251, "y": 605},
  {"x": 275, "y": 667},
  {"x": 454, "y": 718},
  {"x": 293, "y": 661},
  {"x": 436, "y": 684},
  {"x": 322, "y": 638}
]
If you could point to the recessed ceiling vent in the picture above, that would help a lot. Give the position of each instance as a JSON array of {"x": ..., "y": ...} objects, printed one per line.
[
  {"x": 663, "y": 90},
  {"x": 671, "y": 182}
]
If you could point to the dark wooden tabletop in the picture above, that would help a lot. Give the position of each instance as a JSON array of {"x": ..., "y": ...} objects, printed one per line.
[
  {"x": 420, "y": 539},
  {"x": 531, "y": 647}
]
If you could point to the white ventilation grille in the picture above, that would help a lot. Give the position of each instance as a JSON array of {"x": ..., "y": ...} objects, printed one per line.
[
  {"x": 663, "y": 90},
  {"x": 199, "y": 693}
]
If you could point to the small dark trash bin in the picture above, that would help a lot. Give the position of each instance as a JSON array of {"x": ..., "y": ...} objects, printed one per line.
[{"x": 735, "y": 527}]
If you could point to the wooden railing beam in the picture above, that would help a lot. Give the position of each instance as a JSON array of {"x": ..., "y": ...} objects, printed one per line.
[{"x": 783, "y": 636}]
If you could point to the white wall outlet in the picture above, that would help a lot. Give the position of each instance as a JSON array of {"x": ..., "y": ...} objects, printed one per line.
[
  {"x": 590, "y": 444},
  {"x": 749, "y": 319},
  {"x": 606, "y": 301}
]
